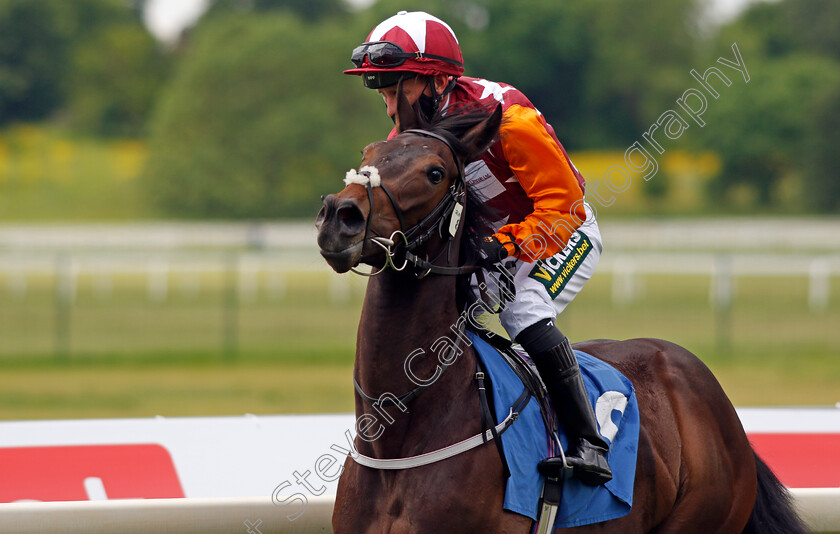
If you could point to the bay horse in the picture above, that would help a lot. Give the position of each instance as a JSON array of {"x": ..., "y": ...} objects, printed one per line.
[{"x": 696, "y": 471}]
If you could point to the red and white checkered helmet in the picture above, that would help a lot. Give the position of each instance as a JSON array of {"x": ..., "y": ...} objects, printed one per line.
[{"x": 424, "y": 45}]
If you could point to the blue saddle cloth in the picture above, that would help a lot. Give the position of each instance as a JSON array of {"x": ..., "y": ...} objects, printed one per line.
[{"x": 527, "y": 441}]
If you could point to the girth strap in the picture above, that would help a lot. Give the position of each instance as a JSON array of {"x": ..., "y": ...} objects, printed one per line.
[
  {"x": 487, "y": 434},
  {"x": 493, "y": 433}
]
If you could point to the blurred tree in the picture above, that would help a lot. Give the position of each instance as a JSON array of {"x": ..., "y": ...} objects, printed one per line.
[
  {"x": 760, "y": 129},
  {"x": 599, "y": 70},
  {"x": 310, "y": 10},
  {"x": 781, "y": 123},
  {"x": 90, "y": 58},
  {"x": 35, "y": 41},
  {"x": 542, "y": 51},
  {"x": 821, "y": 156},
  {"x": 762, "y": 31},
  {"x": 640, "y": 55},
  {"x": 815, "y": 24},
  {"x": 118, "y": 70},
  {"x": 259, "y": 120}
]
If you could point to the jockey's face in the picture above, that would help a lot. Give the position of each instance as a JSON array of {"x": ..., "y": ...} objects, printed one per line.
[{"x": 412, "y": 88}]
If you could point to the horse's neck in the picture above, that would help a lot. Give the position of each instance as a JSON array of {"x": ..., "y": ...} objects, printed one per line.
[{"x": 401, "y": 316}]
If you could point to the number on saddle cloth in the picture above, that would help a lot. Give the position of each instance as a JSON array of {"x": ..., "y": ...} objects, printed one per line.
[{"x": 606, "y": 404}]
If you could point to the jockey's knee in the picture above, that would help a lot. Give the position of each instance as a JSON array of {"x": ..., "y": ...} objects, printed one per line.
[{"x": 540, "y": 337}]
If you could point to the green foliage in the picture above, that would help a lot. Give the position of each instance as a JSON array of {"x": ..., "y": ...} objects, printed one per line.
[
  {"x": 641, "y": 52},
  {"x": 760, "y": 128},
  {"x": 262, "y": 128},
  {"x": 255, "y": 119},
  {"x": 777, "y": 29},
  {"x": 782, "y": 125},
  {"x": 815, "y": 25},
  {"x": 600, "y": 70},
  {"x": 310, "y": 10},
  {"x": 90, "y": 58},
  {"x": 34, "y": 51},
  {"x": 117, "y": 74},
  {"x": 763, "y": 31},
  {"x": 542, "y": 52},
  {"x": 821, "y": 155}
]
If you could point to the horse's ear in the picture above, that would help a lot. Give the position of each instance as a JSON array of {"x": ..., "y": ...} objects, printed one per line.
[
  {"x": 406, "y": 117},
  {"x": 481, "y": 136}
]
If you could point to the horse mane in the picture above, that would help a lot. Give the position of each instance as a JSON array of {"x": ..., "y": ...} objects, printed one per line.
[{"x": 453, "y": 123}]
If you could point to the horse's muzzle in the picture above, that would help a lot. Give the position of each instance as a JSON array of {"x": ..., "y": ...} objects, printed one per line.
[{"x": 341, "y": 231}]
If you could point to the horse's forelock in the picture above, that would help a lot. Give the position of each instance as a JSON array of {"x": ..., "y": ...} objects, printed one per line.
[{"x": 456, "y": 120}]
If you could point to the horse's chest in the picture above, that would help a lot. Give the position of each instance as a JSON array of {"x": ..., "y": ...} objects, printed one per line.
[{"x": 429, "y": 499}]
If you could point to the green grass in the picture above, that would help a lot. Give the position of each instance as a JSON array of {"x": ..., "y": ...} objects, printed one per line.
[
  {"x": 125, "y": 356},
  {"x": 49, "y": 175},
  {"x": 174, "y": 388}
]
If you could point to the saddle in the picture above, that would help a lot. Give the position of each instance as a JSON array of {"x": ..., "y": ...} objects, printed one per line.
[
  {"x": 538, "y": 434},
  {"x": 521, "y": 364}
]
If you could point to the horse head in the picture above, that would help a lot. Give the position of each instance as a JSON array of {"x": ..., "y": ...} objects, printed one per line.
[{"x": 407, "y": 190}]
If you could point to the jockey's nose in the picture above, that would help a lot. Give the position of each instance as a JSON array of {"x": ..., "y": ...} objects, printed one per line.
[
  {"x": 390, "y": 103},
  {"x": 343, "y": 214}
]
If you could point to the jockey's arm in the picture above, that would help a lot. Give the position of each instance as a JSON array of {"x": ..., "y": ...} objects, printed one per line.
[{"x": 546, "y": 175}]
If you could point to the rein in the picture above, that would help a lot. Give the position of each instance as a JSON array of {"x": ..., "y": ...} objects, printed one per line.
[{"x": 400, "y": 246}]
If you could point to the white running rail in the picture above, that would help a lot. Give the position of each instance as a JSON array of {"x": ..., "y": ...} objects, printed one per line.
[{"x": 820, "y": 507}]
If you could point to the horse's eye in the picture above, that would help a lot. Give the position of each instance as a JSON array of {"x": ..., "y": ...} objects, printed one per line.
[{"x": 435, "y": 175}]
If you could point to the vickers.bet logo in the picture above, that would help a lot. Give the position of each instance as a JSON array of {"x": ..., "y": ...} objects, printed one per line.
[{"x": 554, "y": 272}]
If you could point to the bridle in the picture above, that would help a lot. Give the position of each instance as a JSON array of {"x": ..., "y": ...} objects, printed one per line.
[{"x": 401, "y": 246}]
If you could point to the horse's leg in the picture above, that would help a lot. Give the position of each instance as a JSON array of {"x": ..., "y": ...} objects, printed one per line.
[
  {"x": 464, "y": 496},
  {"x": 717, "y": 480},
  {"x": 357, "y": 501},
  {"x": 695, "y": 472},
  {"x": 512, "y": 523}
]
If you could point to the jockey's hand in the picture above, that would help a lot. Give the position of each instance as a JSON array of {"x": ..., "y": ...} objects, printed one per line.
[{"x": 494, "y": 252}]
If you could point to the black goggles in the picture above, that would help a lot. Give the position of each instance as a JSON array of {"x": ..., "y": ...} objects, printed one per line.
[{"x": 385, "y": 54}]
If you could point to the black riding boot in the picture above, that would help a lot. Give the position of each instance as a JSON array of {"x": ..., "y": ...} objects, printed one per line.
[{"x": 559, "y": 370}]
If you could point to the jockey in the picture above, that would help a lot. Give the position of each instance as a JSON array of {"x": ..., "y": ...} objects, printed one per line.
[{"x": 526, "y": 176}]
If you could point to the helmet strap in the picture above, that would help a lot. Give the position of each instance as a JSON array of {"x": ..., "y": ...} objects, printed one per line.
[
  {"x": 431, "y": 104},
  {"x": 449, "y": 86}
]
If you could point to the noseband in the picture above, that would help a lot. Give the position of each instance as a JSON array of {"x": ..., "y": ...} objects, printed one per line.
[{"x": 402, "y": 244}]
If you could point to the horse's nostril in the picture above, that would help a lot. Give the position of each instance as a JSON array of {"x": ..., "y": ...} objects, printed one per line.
[
  {"x": 351, "y": 219},
  {"x": 322, "y": 214}
]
